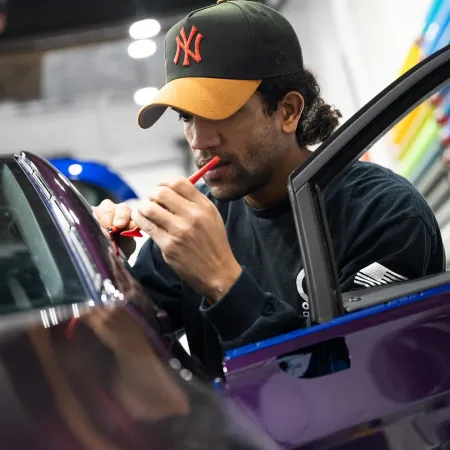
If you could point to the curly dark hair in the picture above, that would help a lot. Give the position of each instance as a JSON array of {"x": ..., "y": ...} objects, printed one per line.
[{"x": 318, "y": 119}]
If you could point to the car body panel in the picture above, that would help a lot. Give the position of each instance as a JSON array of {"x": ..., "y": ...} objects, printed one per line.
[
  {"x": 99, "y": 373},
  {"x": 75, "y": 205},
  {"x": 398, "y": 363}
]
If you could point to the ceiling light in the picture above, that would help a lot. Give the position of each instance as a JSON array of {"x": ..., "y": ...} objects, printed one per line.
[
  {"x": 145, "y": 95},
  {"x": 75, "y": 169},
  {"x": 142, "y": 49},
  {"x": 144, "y": 29}
]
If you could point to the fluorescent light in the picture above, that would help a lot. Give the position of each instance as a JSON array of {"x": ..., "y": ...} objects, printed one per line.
[
  {"x": 145, "y": 95},
  {"x": 75, "y": 169},
  {"x": 144, "y": 29},
  {"x": 432, "y": 31},
  {"x": 142, "y": 49}
]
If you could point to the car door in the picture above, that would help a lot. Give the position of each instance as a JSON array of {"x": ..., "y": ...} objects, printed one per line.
[
  {"x": 84, "y": 359},
  {"x": 380, "y": 355}
]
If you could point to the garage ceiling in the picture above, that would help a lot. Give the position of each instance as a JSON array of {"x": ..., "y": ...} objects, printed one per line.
[
  {"x": 35, "y": 18},
  {"x": 29, "y": 19}
]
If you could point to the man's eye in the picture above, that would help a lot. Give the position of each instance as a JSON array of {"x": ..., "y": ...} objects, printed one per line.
[{"x": 184, "y": 117}]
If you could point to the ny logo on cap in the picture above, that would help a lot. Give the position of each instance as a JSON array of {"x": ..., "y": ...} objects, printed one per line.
[{"x": 185, "y": 45}]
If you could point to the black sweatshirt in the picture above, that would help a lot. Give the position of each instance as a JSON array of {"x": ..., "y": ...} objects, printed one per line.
[{"x": 382, "y": 231}]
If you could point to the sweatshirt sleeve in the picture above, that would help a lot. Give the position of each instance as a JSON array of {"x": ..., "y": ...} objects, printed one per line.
[
  {"x": 247, "y": 314},
  {"x": 161, "y": 283},
  {"x": 405, "y": 250}
]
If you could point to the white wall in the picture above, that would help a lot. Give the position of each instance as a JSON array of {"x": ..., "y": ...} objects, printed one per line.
[
  {"x": 356, "y": 48},
  {"x": 385, "y": 31},
  {"x": 313, "y": 21},
  {"x": 100, "y": 130},
  {"x": 87, "y": 109}
]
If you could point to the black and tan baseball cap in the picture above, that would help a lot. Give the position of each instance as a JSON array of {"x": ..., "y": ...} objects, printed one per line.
[{"x": 216, "y": 57}]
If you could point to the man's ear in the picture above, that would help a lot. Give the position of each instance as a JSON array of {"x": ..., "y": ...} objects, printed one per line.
[{"x": 292, "y": 107}]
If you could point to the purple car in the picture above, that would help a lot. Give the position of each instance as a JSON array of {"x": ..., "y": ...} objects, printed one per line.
[{"x": 87, "y": 361}]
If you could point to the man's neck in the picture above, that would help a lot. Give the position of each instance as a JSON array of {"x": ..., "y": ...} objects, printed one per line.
[{"x": 276, "y": 191}]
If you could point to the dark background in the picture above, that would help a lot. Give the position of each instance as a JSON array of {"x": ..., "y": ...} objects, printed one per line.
[
  {"x": 44, "y": 18},
  {"x": 38, "y": 18}
]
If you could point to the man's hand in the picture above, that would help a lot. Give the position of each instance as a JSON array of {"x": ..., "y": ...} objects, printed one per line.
[
  {"x": 109, "y": 214},
  {"x": 190, "y": 232}
]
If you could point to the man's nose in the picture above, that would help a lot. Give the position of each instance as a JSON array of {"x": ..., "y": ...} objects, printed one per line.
[{"x": 204, "y": 134}]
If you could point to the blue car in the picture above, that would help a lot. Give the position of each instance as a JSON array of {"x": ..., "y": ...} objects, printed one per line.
[{"x": 95, "y": 181}]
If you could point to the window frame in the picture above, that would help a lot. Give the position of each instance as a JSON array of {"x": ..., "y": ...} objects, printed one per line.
[
  {"x": 54, "y": 252},
  {"x": 63, "y": 223},
  {"x": 337, "y": 153}
]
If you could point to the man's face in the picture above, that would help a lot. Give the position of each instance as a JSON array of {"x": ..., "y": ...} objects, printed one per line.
[{"x": 249, "y": 144}]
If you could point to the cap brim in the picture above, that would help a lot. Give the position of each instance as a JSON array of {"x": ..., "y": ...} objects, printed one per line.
[{"x": 210, "y": 98}]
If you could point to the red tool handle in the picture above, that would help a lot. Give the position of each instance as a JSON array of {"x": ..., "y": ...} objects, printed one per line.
[
  {"x": 136, "y": 232},
  {"x": 197, "y": 175}
]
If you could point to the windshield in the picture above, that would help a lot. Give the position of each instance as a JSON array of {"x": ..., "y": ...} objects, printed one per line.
[{"x": 36, "y": 269}]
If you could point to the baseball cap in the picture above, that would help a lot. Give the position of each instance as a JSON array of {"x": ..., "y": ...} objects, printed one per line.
[{"x": 217, "y": 56}]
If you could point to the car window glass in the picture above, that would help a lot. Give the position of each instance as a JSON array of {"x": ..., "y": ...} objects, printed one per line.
[{"x": 36, "y": 268}]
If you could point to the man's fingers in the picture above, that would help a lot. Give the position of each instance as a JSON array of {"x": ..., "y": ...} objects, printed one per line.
[
  {"x": 154, "y": 231},
  {"x": 108, "y": 215},
  {"x": 169, "y": 199},
  {"x": 122, "y": 216},
  {"x": 104, "y": 213},
  {"x": 183, "y": 187},
  {"x": 156, "y": 215}
]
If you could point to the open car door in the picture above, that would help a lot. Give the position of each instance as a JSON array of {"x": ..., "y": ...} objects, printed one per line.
[{"x": 372, "y": 369}]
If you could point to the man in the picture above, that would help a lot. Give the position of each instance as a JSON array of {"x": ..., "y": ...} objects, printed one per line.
[{"x": 222, "y": 258}]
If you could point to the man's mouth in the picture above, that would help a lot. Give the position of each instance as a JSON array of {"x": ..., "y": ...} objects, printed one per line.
[
  {"x": 220, "y": 170},
  {"x": 219, "y": 164}
]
